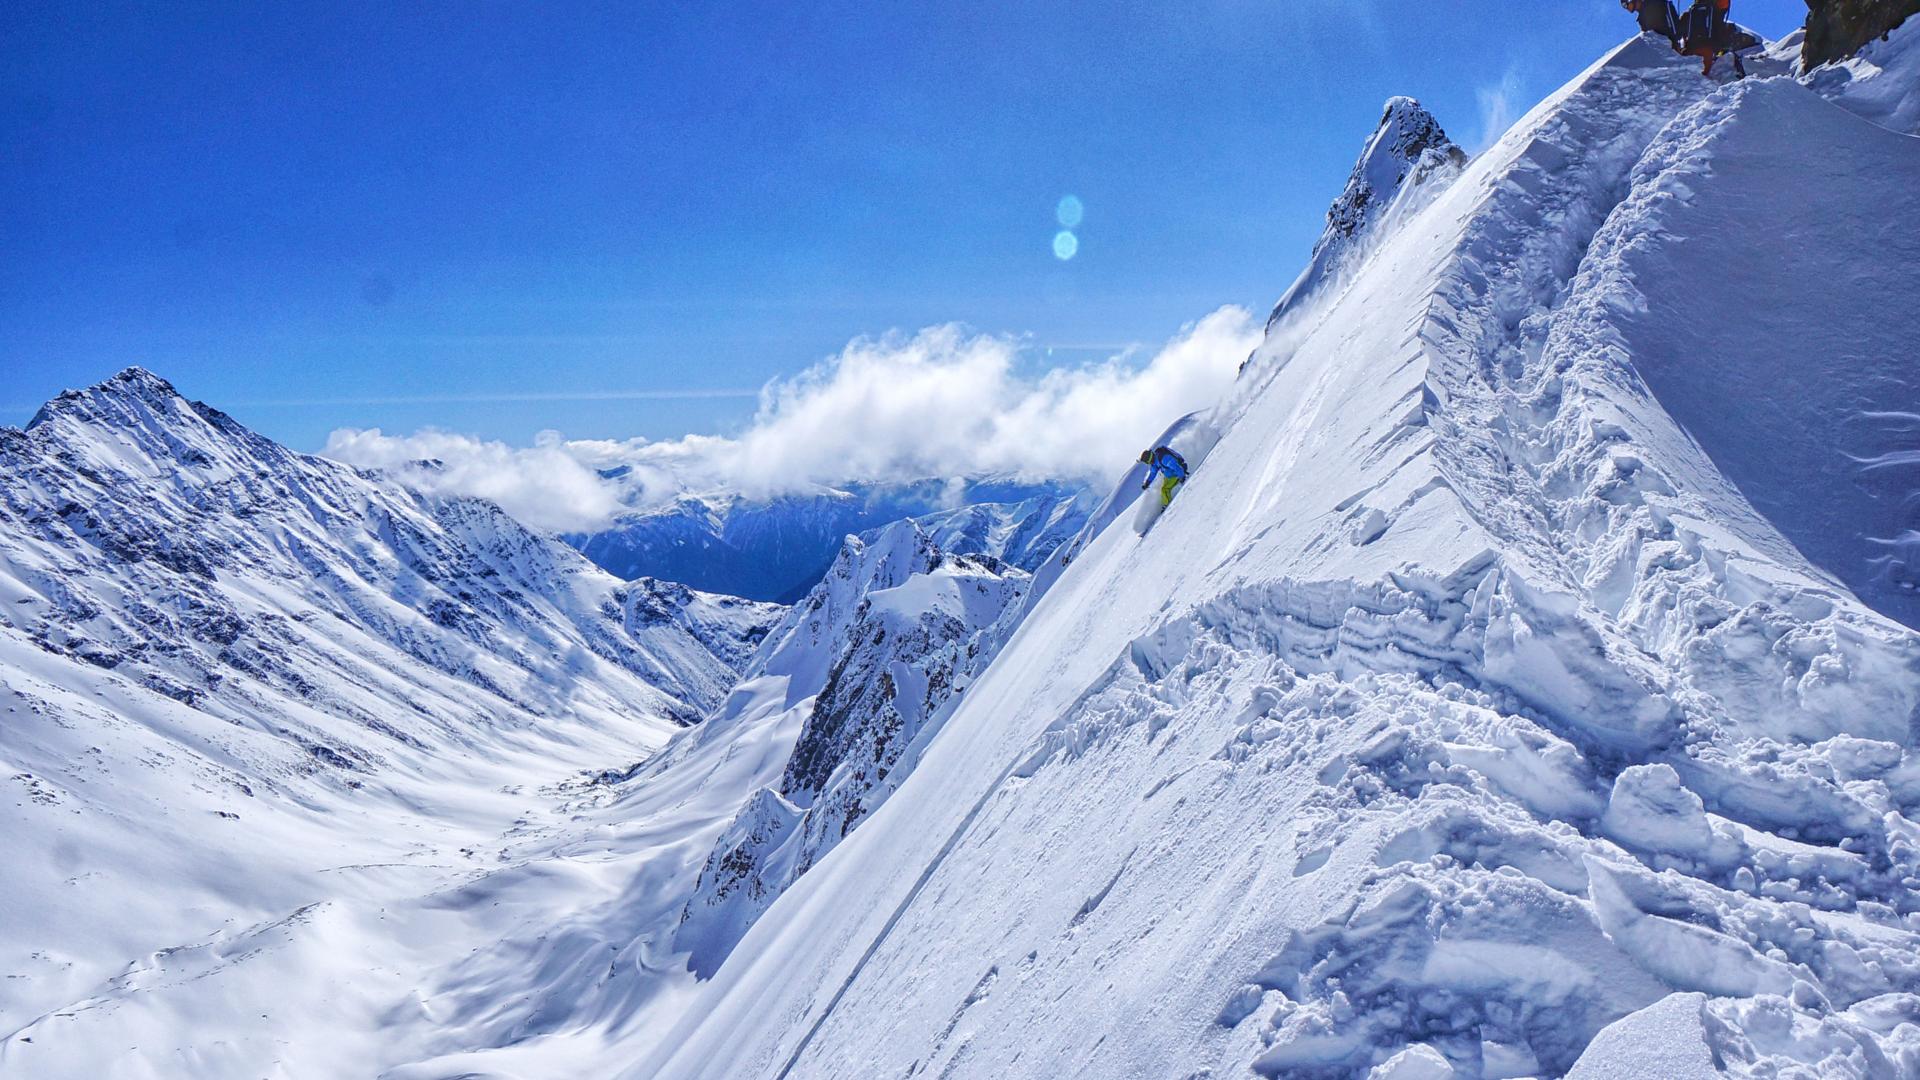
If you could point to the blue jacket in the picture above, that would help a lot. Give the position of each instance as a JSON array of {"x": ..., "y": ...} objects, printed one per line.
[{"x": 1165, "y": 462}]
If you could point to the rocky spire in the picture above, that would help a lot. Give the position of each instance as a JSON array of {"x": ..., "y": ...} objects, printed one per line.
[{"x": 1408, "y": 151}]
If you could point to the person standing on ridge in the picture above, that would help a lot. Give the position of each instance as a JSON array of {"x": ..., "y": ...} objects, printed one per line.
[{"x": 1162, "y": 461}]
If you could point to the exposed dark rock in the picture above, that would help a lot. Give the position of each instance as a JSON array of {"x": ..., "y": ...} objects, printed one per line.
[{"x": 1836, "y": 29}]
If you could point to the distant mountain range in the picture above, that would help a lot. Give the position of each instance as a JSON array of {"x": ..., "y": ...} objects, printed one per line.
[{"x": 776, "y": 549}]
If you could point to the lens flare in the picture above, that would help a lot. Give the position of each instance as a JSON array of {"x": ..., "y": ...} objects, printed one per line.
[
  {"x": 1070, "y": 212},
  {"x": 1065, "y": 245}
]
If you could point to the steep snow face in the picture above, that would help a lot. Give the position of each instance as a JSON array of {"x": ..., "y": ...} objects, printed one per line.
[
  {"x": 1788, "y": 367},
  {"x": 1461, "y": 716},
  {"x": 1407, "y": 161},
  {"x": 776, "y": 549},
  {"x": 924, "y": 626},
  {"x": 252, "y": 698}
]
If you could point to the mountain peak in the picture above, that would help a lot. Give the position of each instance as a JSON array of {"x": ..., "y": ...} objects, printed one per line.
[
  {"x": 138, "y": 421},
  {"x": 1408, "y": 142},
  {"x": 1406, "y": 161},
  {"x": 138, "y": 379},
  {"x": 133, "y": 388}
]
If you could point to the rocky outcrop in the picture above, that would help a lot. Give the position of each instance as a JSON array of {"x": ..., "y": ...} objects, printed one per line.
[
  {"x": 1837, "y": 28},
  {"x": 875, "y": 657},
  {"x": 1407, "y": 161}
]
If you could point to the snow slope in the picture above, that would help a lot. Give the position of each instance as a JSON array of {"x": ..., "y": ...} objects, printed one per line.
[
  {"x": 665, "y": 864},
  {"x": 251, "y": 698},
  {"x": 1467, "y": 714}
]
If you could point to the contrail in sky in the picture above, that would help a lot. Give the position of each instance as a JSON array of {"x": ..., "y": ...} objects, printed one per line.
[
  {"x": 473, "y": 399},
  {"x": 469, "y": 399}
]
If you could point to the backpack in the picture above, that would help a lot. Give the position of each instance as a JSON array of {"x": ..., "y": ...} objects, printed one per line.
[
  {"x": 1698, "y": 30},
  {"x": 1659, "y": 17}
]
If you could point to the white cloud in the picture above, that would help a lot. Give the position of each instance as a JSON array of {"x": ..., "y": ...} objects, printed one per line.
[
  {"x": 939, "y": 403},
  {"x": 546, "y": 485}
]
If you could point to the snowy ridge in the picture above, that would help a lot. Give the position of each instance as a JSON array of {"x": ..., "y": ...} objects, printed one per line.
[
  {"x": 126, "y": 491},
  {"x": 1463, "y": 717}
]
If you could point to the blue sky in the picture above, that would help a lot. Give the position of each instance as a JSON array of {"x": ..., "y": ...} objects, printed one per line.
[{"x": 502, "y": 218}]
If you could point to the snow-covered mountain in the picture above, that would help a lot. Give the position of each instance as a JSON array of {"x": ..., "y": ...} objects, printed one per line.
[
  {"x": 160, "y": 539},
  {"x": 896, "y": 631},
  {"x": 1499, "y": 699},
  {"x": 776, "y": 549},
  {"x": 1021, "y": 532},
  {"x": 232, "y": 674},
  {"x": 1525, "y": 684},
  {"x": 538, "y": 820}
]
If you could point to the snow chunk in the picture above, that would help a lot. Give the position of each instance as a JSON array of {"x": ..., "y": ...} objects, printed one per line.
[{"x": 1667, "y": 1039}]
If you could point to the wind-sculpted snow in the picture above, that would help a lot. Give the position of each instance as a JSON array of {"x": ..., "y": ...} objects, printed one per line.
[
  {"x": 1821, "y": 368},
  {"x": 1464, "y": 715}
]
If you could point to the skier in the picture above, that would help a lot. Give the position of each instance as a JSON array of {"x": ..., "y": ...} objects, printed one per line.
[{"x": 1162, "y": 461}]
